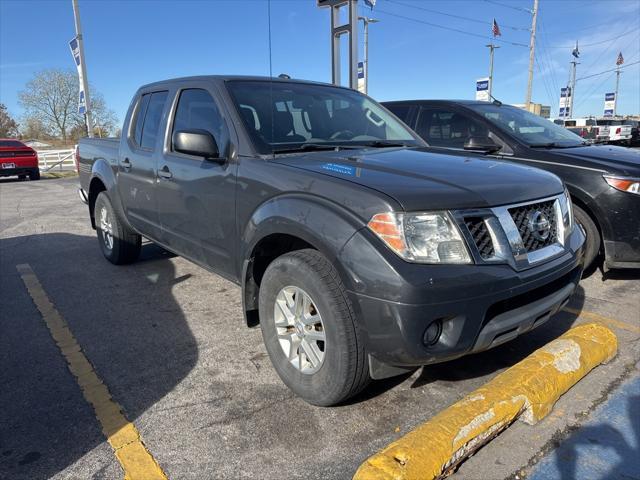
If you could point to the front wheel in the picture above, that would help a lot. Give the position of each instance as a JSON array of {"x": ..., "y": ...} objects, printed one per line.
[
  {"x": 309, "y": 329},
  {"x": 118, "y": 243},
  {"x": 592, "y": 242}
]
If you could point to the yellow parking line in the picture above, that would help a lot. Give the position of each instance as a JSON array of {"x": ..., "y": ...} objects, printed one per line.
[
  {"x": 122, "y": 435},
  {"x": 528, "y": 391},
  {"x": 596, "y": 317}
]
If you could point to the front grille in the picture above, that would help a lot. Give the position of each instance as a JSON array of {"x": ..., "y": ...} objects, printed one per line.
[
  {"x": 480, "y": 234},
  {"x": 522, "y": 217}
]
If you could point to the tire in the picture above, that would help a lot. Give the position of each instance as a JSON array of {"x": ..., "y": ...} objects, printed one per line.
[
  {"x": 343, "y": 371},
  {"x": 34, "y": 175},
  {"x": 22, "y": 177},
  {"x": 593, "y": 242},
  {"x": 118, "y": 243}
]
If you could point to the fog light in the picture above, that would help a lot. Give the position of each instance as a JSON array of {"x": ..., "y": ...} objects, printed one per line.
[{"x": 432, "y": 333}]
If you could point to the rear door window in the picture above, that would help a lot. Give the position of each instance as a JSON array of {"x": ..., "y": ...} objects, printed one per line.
[
  {"x": 152, "y": 119},
  {"x": 140, "y": 113}
]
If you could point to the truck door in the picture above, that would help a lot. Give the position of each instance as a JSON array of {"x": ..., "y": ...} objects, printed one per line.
[
  {"x": 196, "y": 197},
  {"x": 137, "y": 164}
]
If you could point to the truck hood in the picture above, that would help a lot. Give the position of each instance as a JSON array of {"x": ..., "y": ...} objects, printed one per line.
[
  {"x": 609, "y": 158},
  {"x": 421, "y": 180}
]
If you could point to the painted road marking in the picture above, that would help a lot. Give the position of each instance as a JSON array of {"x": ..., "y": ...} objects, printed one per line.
[
  {"x": 596, "y": 317},
  {"x": 528, "y": 390},
  {"x": 122, "y": 435}
]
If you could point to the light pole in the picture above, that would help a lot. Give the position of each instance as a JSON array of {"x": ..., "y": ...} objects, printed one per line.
[
  {"x": 366, "y": 21},
  {"x": 492, "y": 47}
]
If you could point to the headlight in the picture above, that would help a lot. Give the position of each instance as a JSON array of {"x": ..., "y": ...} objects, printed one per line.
[
  {"x": 624, "y": 184},
  {"x": 430, "y": 237}
]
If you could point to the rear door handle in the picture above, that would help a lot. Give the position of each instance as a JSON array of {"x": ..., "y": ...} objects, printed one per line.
[
  {"x": 126, "y": 164},
  {"x": 164, "y": 172}
]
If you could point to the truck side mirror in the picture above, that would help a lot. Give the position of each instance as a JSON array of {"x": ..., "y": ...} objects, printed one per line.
[
  {"x": 196, "y": 142},
  {"x": 481, "y": 144}
]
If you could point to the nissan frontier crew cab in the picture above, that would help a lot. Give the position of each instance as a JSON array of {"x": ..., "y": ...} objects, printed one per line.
[{"x": 360, "y": 255}]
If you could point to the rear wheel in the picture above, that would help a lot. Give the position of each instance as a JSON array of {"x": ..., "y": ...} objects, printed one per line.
[
  {"x": 309, "y": 329},
  {"x": 22, "y": 177},
  {"x": 34, "y": 175},
  {"x": 118, "y": 243},
  {"x": 592, "y": 243}
]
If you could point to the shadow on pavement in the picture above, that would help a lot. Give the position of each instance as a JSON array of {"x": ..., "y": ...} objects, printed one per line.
[{"x": 128, "y": 324}]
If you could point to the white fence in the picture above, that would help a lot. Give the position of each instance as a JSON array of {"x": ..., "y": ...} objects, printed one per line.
[{"x": 56, "y": 160}]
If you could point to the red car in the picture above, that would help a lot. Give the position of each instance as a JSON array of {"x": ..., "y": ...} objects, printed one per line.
[{"x": 18, "y": 159}]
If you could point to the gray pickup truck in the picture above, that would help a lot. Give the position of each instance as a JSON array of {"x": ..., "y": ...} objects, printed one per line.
[{"x": 359, "y": 254}]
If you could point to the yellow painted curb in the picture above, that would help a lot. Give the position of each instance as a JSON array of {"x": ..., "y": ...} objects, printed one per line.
[{"x": 527, "y": 390}]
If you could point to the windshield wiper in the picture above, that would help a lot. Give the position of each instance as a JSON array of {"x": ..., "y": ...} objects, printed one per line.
[
  {"x": 385, "y": 144},
  {"x": 316, "y": 147},
  {"x": 556, "y": 145}
]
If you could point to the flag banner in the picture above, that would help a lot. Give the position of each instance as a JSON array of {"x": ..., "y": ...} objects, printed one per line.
[
  {"x": 575, "y": 52},
  {"x": 565, "y": 102},
  {"x": 482, "y": 89},
  {"x": 495, "y": 29},
  {"x": 609, "y": 104},
  {"x": 620, "y": 59},
  {"x": 370, "y": 3},
  {"x": 361, "y": 80},
  {"x": 75, "y": 52}
]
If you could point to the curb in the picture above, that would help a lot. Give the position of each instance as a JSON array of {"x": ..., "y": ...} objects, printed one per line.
[{"x": 528, "y": 390}]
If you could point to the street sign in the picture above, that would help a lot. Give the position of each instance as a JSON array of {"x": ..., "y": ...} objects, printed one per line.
[
  {"x": 482, "y": 89},
  {"x": 609, "y": 104}
]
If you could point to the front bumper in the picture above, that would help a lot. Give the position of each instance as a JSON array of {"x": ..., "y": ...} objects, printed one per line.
[
  {"x": 620, "y": 228},
  {"x": 478, "y": 306}
]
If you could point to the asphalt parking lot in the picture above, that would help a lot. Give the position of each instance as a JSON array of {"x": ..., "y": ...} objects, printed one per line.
[{"x": 169, "y": 341}]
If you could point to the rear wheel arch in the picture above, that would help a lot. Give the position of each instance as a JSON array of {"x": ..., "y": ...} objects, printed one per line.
[{"x": 95, "y": 187}]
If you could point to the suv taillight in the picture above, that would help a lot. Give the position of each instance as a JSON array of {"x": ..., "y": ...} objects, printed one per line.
[{"x": 77, "y": 159}]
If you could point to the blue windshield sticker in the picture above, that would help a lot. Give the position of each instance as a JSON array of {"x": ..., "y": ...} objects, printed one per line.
[{"x": 337, "y": 168}]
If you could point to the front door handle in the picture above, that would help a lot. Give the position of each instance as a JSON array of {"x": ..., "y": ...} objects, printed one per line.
[
  {"x": 126, "y": 164},
  {"x": 164, "y": 172}
]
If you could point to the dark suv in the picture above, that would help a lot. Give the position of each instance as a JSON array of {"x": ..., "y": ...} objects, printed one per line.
[{"x": 360, "y": 254}]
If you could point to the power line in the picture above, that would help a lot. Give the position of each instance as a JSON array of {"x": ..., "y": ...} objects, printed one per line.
[
  {"x": 521, "y": 9},
  {"x": 424, "y": 9},
  {"x": 613, "y": 42},
  {"x": 633, "y": 30},
  {"x": 607, "y": 71},
  {"x": 450, "y": 28}
]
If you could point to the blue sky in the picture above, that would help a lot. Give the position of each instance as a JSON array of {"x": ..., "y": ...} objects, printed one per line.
[{"x": 129, "y": 43}]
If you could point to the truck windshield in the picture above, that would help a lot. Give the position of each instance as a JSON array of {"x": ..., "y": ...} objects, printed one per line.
[
  {"x": 288, "y": 116},
  {"x": 531, "y": 129}
]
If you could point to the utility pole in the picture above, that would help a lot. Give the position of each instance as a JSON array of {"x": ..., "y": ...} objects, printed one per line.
[
  {"x": 366, "y": 21},
  {"x": 615, "y": 99},
  {"x": 574, "y": 63},
  {"x": 532, "y": 49},
  {"x": 492, "y": 47},
  {"x": 83, "y": 69}
]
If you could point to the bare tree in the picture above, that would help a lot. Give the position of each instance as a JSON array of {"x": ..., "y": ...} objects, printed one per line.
[
  {"x": 8, "y": 126},
  {"x": 51, "y": 97}
]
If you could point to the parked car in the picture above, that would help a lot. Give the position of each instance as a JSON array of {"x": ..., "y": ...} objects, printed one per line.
[
  {"x": 635, "y": 131},
  {"x": 590, "y": 129},
  {"x": 16, "y": 159},
  {"x": 604, "y": 181},
  {"x": 360, "y": 255},
  {"x": 619, "y": 132}
]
